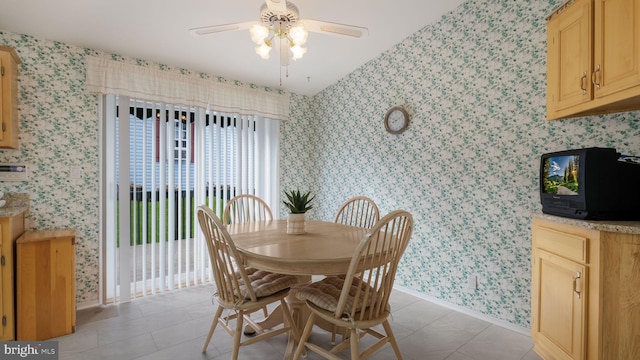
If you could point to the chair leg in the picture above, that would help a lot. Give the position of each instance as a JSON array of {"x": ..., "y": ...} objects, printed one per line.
[
  {"x": 392, "y": 339},
  {"x": 288, "y": 320},
  {"x": 305, "y": 336},
  {"x": 333, "y": 334},
  {"x": 248, "y": 330},
  {"x": 237, "y": 336},
  {"x": 214, "y": 323},
  {"x": 355, "y": 348}
]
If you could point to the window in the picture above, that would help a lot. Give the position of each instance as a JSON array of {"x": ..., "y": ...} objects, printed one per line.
[{"x": 180, "y": 151}]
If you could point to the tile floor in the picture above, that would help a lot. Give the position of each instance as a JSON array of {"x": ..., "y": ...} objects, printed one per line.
[{"x": 173, "y": 326}]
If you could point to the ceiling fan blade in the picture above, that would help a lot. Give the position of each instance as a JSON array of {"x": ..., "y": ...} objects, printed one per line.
[
  {"x": 326, "y": 27},
  {"x": 206, "y": 30},
  {"x": 277, "y": 6}
]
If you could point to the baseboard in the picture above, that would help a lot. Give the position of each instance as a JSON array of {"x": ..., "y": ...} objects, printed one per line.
[
  {"x": 87, "y": 305},
  {"x": 478, "y": 315}
]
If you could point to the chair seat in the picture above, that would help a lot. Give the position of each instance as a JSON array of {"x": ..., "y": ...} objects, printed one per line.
[
  {"x": 326, "y": 292},
  {"x": 265, "y": 283}
]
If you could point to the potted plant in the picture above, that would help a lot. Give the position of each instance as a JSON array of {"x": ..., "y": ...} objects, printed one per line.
[{"x": 298, "y": 204}]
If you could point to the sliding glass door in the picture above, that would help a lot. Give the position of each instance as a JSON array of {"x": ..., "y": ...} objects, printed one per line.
[{"x": 159, "y": 163}]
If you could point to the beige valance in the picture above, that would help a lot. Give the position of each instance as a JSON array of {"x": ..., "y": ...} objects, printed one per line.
[{"x": 105, "y": 76}]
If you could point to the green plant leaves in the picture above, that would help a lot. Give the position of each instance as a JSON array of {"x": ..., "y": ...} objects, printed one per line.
[{"x": 297, "y": 202}]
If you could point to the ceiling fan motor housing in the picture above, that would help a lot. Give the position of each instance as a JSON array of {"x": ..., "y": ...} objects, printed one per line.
[{"x": 285, "y": 19}]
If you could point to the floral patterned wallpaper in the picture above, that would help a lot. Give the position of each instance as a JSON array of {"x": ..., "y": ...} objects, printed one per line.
[
  {"x": 59, "y": 129},
  {"x": 466, "y": 168}
]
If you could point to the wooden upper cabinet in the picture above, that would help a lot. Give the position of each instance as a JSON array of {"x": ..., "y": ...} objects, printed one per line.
[
  {"x": 569, "y": 58},
  {"x": 9, "y": 62},
  {"x": 593, "y": 58},
  {"x": 617, "y": 46}
]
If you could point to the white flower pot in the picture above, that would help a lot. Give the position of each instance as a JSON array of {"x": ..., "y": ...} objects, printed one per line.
[{"x": 295, "y": 224}]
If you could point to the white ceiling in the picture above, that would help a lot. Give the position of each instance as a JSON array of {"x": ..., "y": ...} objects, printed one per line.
[{"x": 157, "y": 30}]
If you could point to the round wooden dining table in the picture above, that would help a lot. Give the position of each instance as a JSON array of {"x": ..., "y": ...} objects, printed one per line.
[{"x": 326, "y": 248}]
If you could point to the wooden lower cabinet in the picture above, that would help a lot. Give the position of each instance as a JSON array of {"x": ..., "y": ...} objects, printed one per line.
[
  {"x": 11, "y": 227},
  {"x": 585, "y": 291},
  {"x": 45, "y": 284}
]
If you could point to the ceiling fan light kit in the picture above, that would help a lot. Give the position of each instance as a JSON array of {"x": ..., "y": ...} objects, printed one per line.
[
  {"x": 283, "y": 25},
  {"x": 280, "y": 23}
]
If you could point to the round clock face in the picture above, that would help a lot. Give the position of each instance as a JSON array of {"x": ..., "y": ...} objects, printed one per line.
[{"x": 396, "y": 120}]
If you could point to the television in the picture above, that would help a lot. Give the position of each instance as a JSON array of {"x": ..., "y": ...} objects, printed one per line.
[{"x": 591, "y": 184}]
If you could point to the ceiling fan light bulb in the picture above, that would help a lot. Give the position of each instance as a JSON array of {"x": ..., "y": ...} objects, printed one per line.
[
  {"x": 263, "y": 51},
  {"x": 298, "y": 52},
  {"x": 298, "y": 35},
  {"x": 258, "y": 33}
]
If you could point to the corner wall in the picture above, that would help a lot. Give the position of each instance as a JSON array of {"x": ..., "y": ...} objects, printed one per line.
[{"x": 467, "y": 166}]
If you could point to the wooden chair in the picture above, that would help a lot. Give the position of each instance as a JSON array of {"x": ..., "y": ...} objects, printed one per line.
[
  {"x": 358, "y": 211},
  {"x": 360, "y": 303},
  {"x": 246, "y": 208},
  {"x": 241, "y": 290}
]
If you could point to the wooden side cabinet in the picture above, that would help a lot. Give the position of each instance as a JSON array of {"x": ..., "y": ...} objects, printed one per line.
[
  {"x": 585, "y": 291},
  {"x": 46, "y": 296},
  {"x": 11, "y": 227},
  {"x": 593, "y": 58},
  {"x": 9, "y": 62}
]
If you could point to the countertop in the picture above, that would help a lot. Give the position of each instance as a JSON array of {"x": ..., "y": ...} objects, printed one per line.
[
  {"x": 16, "y": 203},
  {"x": 627, "y": 227}
]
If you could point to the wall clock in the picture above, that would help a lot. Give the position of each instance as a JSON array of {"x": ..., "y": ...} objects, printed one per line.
[{"x": 396, "y": 120}]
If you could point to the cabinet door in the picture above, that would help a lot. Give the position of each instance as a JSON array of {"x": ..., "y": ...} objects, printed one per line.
[
  {"x": 569, "y": 58},
  {"x": 558, "y": 305},
  {"x": 617, "y": 46},
  {"x": 3, "y": 91},
  {"x": 2, "y": 292},
  {"x": 9, "y": 98}
]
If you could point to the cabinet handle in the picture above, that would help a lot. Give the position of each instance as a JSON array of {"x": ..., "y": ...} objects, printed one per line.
[
  {"x": 577, "y": 284},
  {"x": 583, "y": 86},
  {"x": 594, "y": 77}
]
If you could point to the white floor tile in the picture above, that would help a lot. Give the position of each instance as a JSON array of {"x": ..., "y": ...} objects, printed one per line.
[{"x": 174, "y": 325}]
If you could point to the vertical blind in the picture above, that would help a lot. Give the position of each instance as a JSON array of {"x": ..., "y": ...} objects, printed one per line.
[{"x": 162, "y": 161}]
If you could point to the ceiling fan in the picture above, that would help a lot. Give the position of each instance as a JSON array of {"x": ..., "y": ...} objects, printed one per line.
[{"x": 280, "y": 24}]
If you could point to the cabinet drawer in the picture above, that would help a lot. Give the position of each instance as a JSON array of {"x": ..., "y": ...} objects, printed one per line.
[{"x": 561, "y": 243}]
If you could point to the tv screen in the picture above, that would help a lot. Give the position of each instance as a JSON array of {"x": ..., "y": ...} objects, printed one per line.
[{"x": 561, "y": 175}]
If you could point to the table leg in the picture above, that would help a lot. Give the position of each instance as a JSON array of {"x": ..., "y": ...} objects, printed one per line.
[{"x": 299, "y": 313}]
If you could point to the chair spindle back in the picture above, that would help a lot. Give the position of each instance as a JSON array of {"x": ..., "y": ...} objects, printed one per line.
[
  {"x": 358, "y": 211},
  {"x": 375, "y": 262}
]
